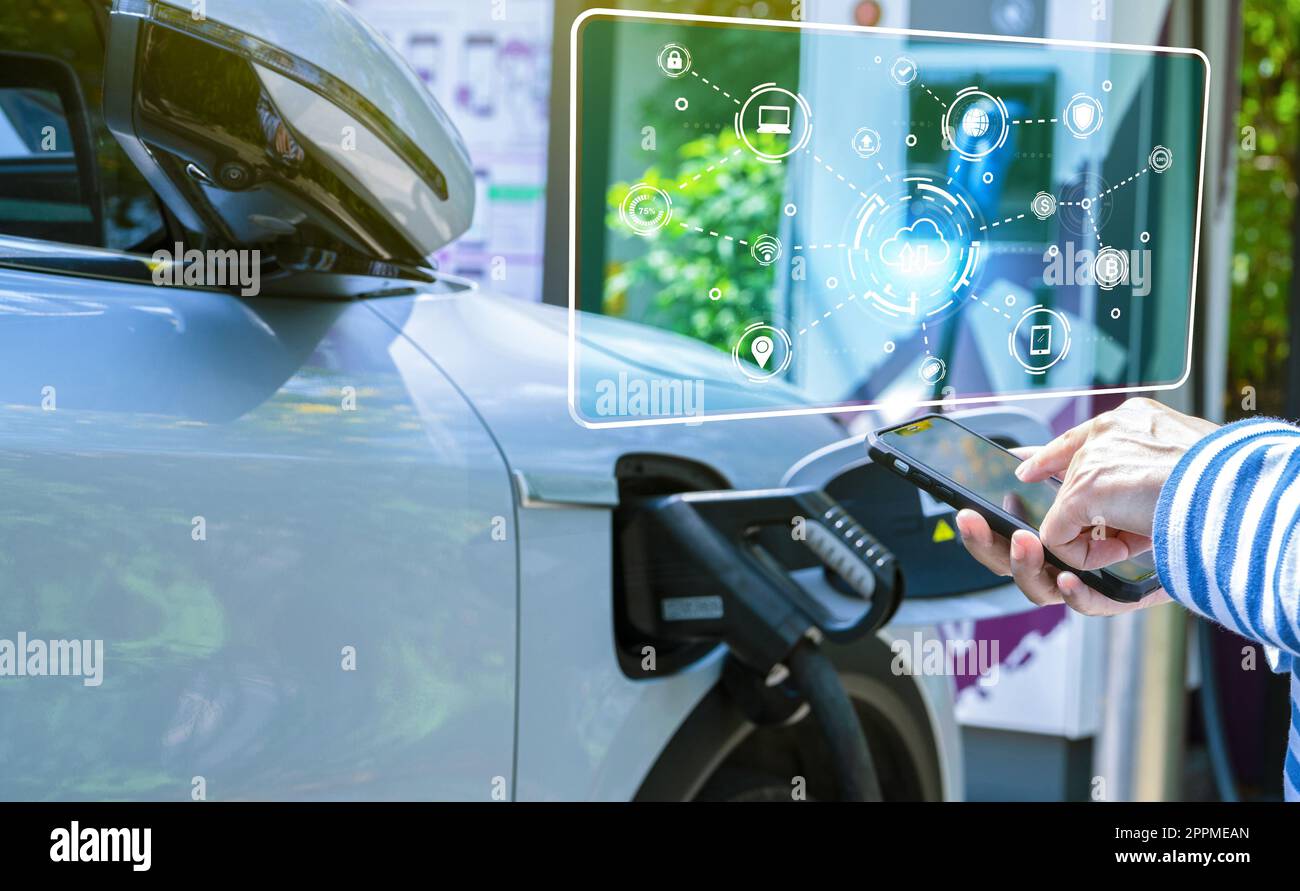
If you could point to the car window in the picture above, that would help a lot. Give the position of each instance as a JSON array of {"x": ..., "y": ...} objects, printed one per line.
[
  {"x": 42, "y": 193},
  {"x": 32, "y": 123}
]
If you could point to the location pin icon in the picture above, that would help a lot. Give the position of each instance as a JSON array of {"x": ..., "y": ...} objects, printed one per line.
[{"x": 762, "y": 350}]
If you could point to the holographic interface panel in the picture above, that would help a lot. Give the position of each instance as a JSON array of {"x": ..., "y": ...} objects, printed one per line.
[{"x": 834, "y": 219}]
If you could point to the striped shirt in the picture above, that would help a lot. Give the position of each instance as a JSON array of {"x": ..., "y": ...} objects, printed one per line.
[{"x": 1226, "y": 545}]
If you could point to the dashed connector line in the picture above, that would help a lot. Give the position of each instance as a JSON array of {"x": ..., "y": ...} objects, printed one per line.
[
  {"x": 931, "y": 92},
  {"x": 1036, "y": 121},
  {"x": 997, "y": 223},
  {"x": 719, "y": 89},
  {"x": 981, "y": 300},
  {"x": 1119, "y": 185},
  {"x": 707, "y": 170},
  {"x": 824, "y": 247},
  {"x": 1095, "y": 230},
  {"x": 1091, "y": 201},
  {"x": 1122, "y": 183},
  {"x": 831, "y": 170},
  {"x": 826, "y": 315},
  {"x": 703, "y": 231}
]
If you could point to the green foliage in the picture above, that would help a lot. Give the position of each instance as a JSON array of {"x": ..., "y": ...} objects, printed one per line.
[
  {"x": 667, "y": 281},
  {"x": 1266, "y": 194}
]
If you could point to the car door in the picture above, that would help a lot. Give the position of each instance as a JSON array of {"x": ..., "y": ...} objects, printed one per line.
[{"x": 250, "y": 547}]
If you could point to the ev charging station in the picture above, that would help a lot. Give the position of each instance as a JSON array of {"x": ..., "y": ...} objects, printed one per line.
[
  {"x": 1000, "y": 678},
  {"x": 966, "y": 311},
  {"x": 1093, "y": 698}
]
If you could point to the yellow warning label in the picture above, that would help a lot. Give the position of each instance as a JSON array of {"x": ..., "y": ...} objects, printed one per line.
[{"x": 943, "y": 532}]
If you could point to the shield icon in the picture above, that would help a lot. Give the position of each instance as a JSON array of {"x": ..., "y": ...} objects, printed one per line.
[{"x": 1082, "y": 114}]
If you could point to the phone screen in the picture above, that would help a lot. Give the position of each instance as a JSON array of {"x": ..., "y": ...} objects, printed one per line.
[{"x": 987, "y": 470}]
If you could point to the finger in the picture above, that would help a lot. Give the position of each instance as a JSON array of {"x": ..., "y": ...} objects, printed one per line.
[
  {"x": 1054, "y": 457},
  {"x": 985, "y": 545},
  {"x": 1023, "y": 452},
  {"x": 1030, "y": 569},
  {"x": 1013, "y": 504},
  {"x": 1088, "y": 550},
  {"x": 1083, "y": 599},
  {"x": 1088, "y": 601},
  {"x": 1068, "y": 520},
  {"x": 1136, "y": 542}
]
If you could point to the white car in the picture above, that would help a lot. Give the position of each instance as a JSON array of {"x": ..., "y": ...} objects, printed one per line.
[{"x": 289, "y": 515}]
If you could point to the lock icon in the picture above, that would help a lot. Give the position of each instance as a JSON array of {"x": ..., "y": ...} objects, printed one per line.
[{"x": 674, "y": 60}]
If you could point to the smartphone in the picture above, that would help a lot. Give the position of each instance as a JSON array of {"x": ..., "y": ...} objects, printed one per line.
[{"x": 966, "y": 470}]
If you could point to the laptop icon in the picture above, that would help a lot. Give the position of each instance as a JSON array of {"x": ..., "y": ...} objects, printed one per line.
[{"x": 773, "y": 119}]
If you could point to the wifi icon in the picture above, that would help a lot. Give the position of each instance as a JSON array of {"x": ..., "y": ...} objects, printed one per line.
[{"x": 766, "y": 250}]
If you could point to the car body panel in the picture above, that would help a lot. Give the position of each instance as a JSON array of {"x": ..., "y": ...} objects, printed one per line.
[
  {"x": 586, "y": 730},
  {"x": 128, "y": 411}
]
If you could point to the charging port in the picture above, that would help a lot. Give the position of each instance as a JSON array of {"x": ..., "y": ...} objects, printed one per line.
[
  {"x": 642, "y": 476},
  {"x": 768, "y": 573}
]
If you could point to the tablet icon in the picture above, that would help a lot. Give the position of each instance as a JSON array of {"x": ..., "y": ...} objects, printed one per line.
[{"x": 1040, "y": 340}]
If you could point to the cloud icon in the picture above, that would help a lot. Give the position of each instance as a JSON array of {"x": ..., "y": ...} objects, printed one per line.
[{"x": 917, "y": 248}]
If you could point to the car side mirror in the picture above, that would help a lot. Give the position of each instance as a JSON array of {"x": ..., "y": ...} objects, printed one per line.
[
  {"x": 290, "y": 127},
  {"x": 48, "y": 172}
]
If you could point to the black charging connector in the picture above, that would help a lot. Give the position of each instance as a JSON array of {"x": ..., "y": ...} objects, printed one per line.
[
  {"x": 757, "y": 570},
  {"x": 768, "y": 573}
]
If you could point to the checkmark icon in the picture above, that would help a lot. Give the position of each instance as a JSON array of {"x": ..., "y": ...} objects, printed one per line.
[{"x": 903, "y": 70}]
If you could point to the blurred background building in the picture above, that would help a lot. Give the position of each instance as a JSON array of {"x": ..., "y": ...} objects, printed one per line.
[{"x": 489, "y": 65}]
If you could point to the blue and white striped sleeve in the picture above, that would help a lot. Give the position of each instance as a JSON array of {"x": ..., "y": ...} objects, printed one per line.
[{"x": 1226, "y": 544}]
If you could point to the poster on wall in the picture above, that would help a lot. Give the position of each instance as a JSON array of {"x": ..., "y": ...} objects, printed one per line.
[{"x": 491, "y": 73}]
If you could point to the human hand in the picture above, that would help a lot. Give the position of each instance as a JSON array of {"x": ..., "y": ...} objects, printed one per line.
[
  {"x": 1112, "y": 469},
  {"x": 1023, "y": 559}
]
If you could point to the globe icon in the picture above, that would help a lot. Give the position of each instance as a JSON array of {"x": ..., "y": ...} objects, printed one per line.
[{"x": 975, "y": 122}]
